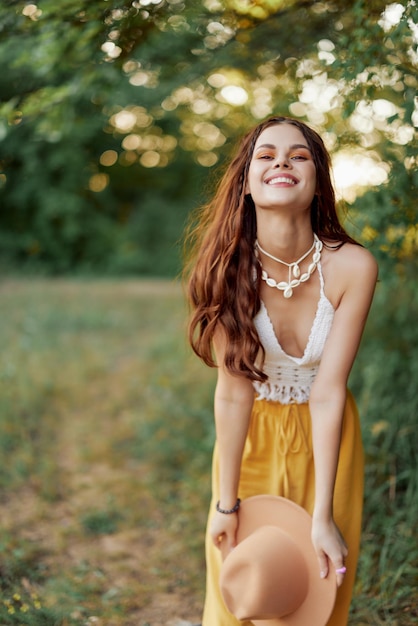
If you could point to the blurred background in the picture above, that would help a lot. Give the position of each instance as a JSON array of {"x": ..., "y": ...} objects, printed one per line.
[{"x": 116, "y": 117}]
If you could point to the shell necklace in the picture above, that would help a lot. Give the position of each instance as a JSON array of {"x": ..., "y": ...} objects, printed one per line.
[{"x": 294, "y": 269}]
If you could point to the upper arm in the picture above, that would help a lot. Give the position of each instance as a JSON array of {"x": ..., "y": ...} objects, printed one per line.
[
  {"x": 230, "y": 388},
  {"x": 358, "y": 274}
]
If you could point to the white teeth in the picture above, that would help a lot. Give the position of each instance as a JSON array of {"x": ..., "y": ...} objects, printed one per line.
[{"x": 281, "y": 179}]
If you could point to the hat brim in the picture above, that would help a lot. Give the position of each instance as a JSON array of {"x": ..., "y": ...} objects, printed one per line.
[{"x": 261, "y": 510}]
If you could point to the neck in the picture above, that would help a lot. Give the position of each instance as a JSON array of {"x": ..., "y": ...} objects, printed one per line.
[{"x": 284, "y": 238}]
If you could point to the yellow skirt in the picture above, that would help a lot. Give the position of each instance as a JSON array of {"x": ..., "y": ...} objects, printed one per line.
[{"x": 278, "y": 460}]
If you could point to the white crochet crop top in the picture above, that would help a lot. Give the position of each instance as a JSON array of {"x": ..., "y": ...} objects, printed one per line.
[{"x": 290, "y": 378}]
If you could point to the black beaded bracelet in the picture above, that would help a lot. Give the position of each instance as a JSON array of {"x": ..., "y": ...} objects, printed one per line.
[{"x": 228, "y": 511}]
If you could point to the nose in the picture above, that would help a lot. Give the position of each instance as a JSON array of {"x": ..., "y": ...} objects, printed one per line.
[{"x": 282, "y": 162}]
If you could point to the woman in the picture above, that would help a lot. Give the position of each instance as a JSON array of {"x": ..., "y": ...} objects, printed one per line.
[{"x": 280, "y": 296}]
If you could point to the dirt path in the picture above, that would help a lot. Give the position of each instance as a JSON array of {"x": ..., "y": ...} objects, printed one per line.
[{"x": 134, "y": 569}]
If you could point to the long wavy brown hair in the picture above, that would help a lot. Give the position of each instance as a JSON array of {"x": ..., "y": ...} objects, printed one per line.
[{"x": 223, "y": 277}]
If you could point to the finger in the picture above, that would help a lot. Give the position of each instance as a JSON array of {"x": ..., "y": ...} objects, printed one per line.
[
  {"x": 340, "y": 573},
  {"x": 217, "y": 540},
  {"x": 323, "y": 565}
]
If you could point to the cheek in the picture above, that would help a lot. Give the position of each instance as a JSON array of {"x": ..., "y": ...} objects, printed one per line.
[
  {"x": 254, "y": 176},
  {"x": 248, "y": 185}
]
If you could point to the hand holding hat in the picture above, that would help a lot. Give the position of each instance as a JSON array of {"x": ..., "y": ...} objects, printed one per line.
[
  {"x": 330, "y": 547},
  {"x": 271, "y": 576},
  {"x": 223, "y": 531}
]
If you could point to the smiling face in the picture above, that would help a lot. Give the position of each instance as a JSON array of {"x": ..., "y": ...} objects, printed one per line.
[{"x": 282, "y": 172}]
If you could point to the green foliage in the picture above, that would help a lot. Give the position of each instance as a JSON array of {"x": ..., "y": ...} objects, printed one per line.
[
  {"x": 67, "y": 72},
  {"x": 22, "y": 610},
  {"x": 21, "y": 602},
  {"x": 101, "y": 522},
  {"x": 384, "y": 381}
]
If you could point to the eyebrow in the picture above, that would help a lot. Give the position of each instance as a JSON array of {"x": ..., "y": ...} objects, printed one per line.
[{"x": 292, "y": 147}]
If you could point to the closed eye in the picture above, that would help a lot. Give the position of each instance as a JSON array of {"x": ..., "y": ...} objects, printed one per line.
[
  {"x": 264, "y": 156},
  {"x": 304, "y": 155}
]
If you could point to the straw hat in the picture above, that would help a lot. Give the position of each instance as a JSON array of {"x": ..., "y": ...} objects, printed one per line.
[{"x": 272, "y": 576}]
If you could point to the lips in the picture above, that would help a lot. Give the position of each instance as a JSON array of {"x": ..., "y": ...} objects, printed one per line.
[{"x": 286, "y": 179}]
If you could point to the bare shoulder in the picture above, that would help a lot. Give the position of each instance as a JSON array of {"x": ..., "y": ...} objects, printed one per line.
[
  {"x": 349, "y": 267},
  {"x": 351, "y": 258}
]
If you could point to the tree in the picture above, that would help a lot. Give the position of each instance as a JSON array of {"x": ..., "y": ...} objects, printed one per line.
[{"x": 106, "y": 106}]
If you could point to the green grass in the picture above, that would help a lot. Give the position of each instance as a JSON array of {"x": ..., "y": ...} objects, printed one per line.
[
  {"x": 105, "y": 439},
  {"x": 106, "y": 432}
]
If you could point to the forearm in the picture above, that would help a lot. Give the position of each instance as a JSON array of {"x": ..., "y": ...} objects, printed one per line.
[
  {"x": 232, "y": 420},
  {"x": 327, "y": 415}
]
